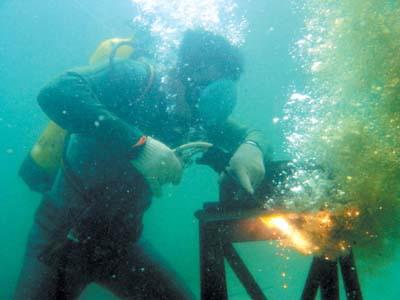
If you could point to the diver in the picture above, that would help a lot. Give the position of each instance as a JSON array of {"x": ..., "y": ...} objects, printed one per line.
[{"x": 123, "y": 121}]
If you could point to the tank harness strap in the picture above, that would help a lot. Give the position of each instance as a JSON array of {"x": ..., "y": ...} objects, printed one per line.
[
  {"x": 115, "y": 49},
  {"x": 70, "y": 176},
  {"x": 150, "y": 68},
  {"x": 150, "y": 81}
]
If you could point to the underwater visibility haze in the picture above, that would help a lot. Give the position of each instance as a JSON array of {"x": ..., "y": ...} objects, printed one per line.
[{"x": 321, "y": 80}]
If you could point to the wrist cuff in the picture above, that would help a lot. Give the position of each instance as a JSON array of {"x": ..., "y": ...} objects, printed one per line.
[
  {"x": 135, "y": 149},
  {"x": 250, "y": 142},
  {"x": 141, "y": 141}
]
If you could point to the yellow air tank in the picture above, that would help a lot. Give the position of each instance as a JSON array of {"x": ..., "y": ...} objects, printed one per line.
[
  {"x": 104, "y": 50},
  {"x": 47, "y": 152}
]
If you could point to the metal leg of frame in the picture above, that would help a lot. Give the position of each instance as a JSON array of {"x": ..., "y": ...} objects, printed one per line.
[
  {"x": 243, "y": 273},
  {"x": 323, "y": 274},
  {"x": 350, "y": 277},
  {"x": 329, "y": 283},
  {"x": 212, "y": 270},
  {"x": 313, "y": 281}
]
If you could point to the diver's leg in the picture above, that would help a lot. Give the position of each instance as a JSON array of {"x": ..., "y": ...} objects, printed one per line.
[
  {"x": 38, "y": 281},
  {"x": 143, "y": 274}
]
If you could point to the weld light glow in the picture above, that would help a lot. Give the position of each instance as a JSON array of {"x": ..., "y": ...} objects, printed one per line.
[
  {"x": 288, "y": 233},
  {"x": 312, "y": 233}
]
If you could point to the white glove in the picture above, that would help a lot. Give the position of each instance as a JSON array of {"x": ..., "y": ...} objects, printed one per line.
[
  {"x": 247, "y": 166},
  {"x": 158, "y": 164}
]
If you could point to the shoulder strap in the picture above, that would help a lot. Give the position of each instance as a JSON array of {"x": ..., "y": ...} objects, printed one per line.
[
  {"x": 150, "y": 81},
  {"x": 69, "y": 174}
]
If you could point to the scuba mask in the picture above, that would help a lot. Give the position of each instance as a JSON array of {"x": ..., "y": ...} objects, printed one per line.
[{"x": 216, "y": 102}]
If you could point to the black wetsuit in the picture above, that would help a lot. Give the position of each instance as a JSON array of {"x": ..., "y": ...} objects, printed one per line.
[{"x": 87, "y": 228}]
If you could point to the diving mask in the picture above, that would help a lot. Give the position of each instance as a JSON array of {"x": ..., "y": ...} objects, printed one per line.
[{"x": 217, "y": 101}]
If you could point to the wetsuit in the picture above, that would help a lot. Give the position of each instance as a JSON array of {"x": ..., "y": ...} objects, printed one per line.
[{"x": 87, "y": 228}]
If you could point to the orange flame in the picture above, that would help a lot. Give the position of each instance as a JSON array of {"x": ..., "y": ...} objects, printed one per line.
[
  {"x": 289, "y": 235},
  {"x": 310, "y": 233}
]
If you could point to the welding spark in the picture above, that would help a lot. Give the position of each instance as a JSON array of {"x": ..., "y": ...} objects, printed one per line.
[{"x": 288, "y": 233}]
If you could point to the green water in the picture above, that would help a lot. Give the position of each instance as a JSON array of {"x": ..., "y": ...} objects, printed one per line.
[{"x": 40, "y": 39}]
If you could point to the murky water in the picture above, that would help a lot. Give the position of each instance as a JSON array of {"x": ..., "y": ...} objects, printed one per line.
[{"x": 321, "y": 80}]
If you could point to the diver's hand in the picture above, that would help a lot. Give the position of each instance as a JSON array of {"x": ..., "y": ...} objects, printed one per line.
[
  {"x": 158, "y": 164},
  {"x": 247, "y": 166}
]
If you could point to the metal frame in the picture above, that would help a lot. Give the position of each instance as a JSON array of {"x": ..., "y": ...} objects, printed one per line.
[{"x": 219, "y": 229}]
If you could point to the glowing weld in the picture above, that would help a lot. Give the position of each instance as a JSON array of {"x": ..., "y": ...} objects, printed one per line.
[{"x": 290, "y": 235}]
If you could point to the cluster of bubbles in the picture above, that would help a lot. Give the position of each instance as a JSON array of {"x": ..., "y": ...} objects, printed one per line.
[
  {"x": 167, "y": 20},
  {"x": 347, "y": 121}
]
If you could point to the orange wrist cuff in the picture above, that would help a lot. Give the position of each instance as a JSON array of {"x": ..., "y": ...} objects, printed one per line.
[{"x": 140, "y": 142}]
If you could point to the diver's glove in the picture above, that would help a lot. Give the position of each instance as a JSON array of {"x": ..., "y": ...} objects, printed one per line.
[
  {"x": 247, "y": 166},
  {"x": 158, "y": 164}
]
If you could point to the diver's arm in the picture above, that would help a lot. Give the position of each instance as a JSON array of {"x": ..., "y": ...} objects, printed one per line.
[
  {"x": 71, "y": 103},
  {"x": 250, "y": 153},
  {"x": 230, "y": 135}
]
